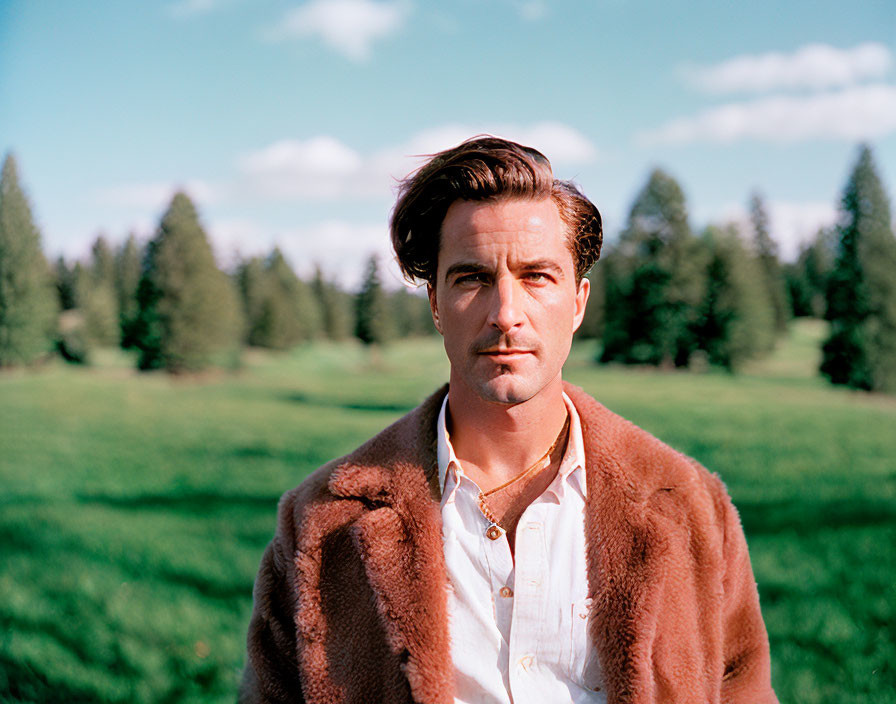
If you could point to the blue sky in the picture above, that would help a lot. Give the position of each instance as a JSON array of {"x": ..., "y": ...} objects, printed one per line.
[{"x": 289, "y": 121}]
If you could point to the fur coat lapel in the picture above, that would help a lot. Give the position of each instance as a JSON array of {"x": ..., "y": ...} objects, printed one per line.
[
  {"x": 400, "y": 541},
  {"x": 627, "y": 539}
]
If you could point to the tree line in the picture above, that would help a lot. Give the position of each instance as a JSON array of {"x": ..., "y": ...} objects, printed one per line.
[
  {"x": 671, "y": 297},
  {"x": 662, "y": 294},
  {"x": 666, "y": 296},
  {"x": 169, "y": 300}
]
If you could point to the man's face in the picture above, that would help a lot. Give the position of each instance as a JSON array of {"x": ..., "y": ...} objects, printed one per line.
[{"x": 505, "y": 297}]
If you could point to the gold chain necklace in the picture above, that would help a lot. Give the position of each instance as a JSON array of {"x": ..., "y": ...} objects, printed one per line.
[{"x": 539, "y": 464}]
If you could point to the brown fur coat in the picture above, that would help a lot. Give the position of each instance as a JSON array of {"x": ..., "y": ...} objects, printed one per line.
[{"x": 351, "y": 605}]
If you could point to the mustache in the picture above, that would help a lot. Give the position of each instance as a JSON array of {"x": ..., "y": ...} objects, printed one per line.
[{"x": 500, "y": 341}]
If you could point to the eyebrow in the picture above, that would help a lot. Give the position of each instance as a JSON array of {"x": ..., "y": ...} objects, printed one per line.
[
  {"x": 475, "y": 268},
  {"x": 463, "y": 268},
  {"x": 543, "y": 265}
]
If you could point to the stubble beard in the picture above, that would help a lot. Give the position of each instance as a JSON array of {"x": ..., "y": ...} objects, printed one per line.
[{"x": 508, "y": 387}]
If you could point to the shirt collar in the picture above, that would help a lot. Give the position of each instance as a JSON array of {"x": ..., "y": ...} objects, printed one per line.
[
  {"x": 572, "y": 468},
  {"x": 573, "y": 458},
  {"x": 445, "y": 452}
]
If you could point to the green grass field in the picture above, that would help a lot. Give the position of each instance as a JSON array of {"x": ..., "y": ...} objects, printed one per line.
[{"x": 135, "y": 508}]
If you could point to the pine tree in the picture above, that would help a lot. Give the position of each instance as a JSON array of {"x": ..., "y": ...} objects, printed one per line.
[
  {"x": 592, "y": 326},
  {"x": 614, "y": 338},
  {"x": 807, "y": 277},
  {"x": 306, "y": 305},
  {"x": 28, "y": 300},
  {"x": 252, "y": 283},
  {"x": 293, "y": 309},
  {"x": 188, "y": 312},
  {"x": 281, "y": 310},
  {"x": 736, "y": 320},
  {"x": 652, "y": 300},
  {"x": 73, "y": 343},
  {"x": 65, "y": 284},
  {"x": 770, "y": 266},
  {"x": 861, "y": 296},
  {"x": 127, "y": 280},
  {"x": 401, "y": 306},
  {"x": 95, "y": 296},
  {"x": 95, "y": 302},
  {"x": 335, "y": 306},
  {"x": 373, "y": 324},
  {"x": 102, "y": 261},
  {"x": 410, "y": 313}
]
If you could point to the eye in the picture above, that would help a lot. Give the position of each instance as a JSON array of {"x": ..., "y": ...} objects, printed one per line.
[
  {"x": 478, "y": 277},
  {"x": 537, "y": 277}
]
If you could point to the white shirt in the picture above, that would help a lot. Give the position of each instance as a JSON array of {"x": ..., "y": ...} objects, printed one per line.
[{"x": 519, "y": 633}]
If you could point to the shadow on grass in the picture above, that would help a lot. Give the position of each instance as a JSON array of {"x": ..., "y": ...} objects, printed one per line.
[
  {"x": 56, "y": 545},
  {"x": 351, "y": 404},
  {"x": 301, "y": 461},
  {"x": 59, "y": 629},
  {"x": 806, "y": 515},
  {"x": 200, "y": 502},
  {"x": 235, "y": 591},
  {"x": 22, "y": 683}
]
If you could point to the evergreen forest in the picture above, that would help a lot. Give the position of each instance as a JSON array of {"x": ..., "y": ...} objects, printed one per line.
[{"x": 665, "y": 293}]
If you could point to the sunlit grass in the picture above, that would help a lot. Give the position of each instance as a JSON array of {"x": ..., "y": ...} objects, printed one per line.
[{"x": 135, "y": 507}]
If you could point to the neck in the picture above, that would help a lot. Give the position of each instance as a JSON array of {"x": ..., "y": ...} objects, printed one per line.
[{"x": 495, "y": 442}]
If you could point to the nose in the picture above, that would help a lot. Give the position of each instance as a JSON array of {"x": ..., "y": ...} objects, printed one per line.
[{"x": 506, "y": 311}]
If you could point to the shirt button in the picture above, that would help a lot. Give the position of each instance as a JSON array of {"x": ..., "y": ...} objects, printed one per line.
[
  {"x": 493, "y": 532},
  {"x": 506, "y": 592},
  {"x": 526, "y": 662}
]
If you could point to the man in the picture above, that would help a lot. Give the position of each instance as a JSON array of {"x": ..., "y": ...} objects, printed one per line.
[{"x": 510, "y": 540}]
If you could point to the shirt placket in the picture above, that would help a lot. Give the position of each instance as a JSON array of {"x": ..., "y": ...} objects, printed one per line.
[
  {"x": 496, "y": 549},
  {"x": 528, "y": 604}
]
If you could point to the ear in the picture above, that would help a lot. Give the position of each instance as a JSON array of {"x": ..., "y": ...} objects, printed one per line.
[
  {"x": 433, "y": 306},
  {"x": 581, "y": 302}
]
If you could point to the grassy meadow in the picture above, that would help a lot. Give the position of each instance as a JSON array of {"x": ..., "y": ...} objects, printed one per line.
[{"x": 135, "y": 508}]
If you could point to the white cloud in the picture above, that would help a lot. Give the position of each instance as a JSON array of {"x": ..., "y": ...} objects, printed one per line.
[
  {"x": 73, "y": 240},
  {"x": 324, "y": 167},
  {"x": 791, "y": 223},
  {"x": 234, "y": 238},
  {"x": 349, "y": 27},
  {"x": 794, "y": 223},
  {"x": 155, "y": 195},
  {"x": 815, "y": 66},
  {"x": 560, "y": 143},
  {"x": 860, "y": 112},
  {"x": 340, "y": 247},
  {"x": 321, "y": 167}
]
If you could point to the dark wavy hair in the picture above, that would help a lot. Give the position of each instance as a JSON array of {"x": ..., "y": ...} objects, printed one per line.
[{"x": 484, "y": 168}]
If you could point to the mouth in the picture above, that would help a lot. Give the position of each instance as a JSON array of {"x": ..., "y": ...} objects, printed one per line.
[{"x": 508, "y": 354}]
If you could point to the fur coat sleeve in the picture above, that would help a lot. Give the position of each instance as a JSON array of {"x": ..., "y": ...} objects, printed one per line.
[
  {"x": 747, "y": 671},
  {"x": 272, "y": 674}
]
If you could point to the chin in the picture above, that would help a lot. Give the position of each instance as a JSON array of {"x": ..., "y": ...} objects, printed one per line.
[{"x": 506, "y": 391}]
